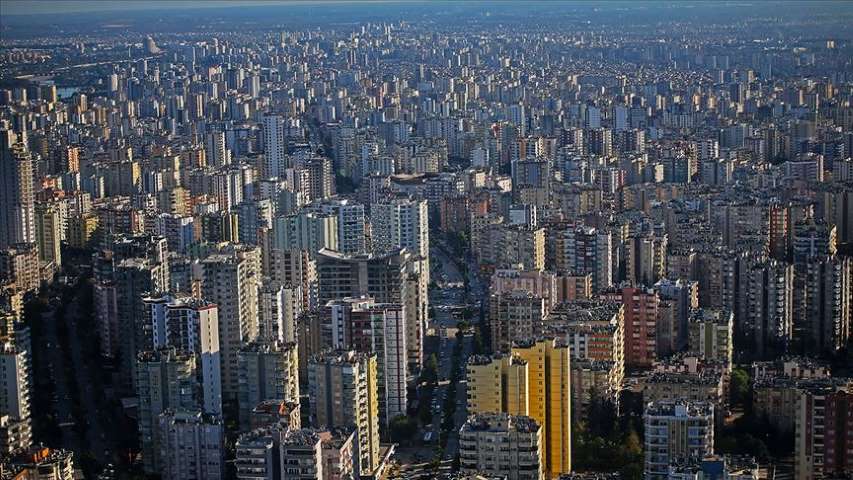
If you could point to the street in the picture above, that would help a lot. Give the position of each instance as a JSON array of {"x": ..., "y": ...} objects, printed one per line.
[
  {"x": 449, "y": 295},
  {"x": 445, "y": 321},
  {"x": 78, "y": 399},
  {"x": 50, "y": 350}
]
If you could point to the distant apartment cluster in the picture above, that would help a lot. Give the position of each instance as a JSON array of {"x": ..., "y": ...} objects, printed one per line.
[{"x": 257, "y": 216}]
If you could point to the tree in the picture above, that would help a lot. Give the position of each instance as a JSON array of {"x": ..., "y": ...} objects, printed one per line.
[
  {"x": 486, "y": 332},
  {"x": 744, "y": 443},
  {"x": 429, "y": 377},
  {"x": 601, "y": 418},
  {"x": 424, "y": 412},
  {"x": 633, "y": 444},
  {"x": 343, "y": 184},
  {"x": 632, "y": 471},
  {"x": 402, "y": 428},
  {"x": 477, "y": 347},
  {"x": 430, "y": 372},
  {"x": 436, "y": 459},
  {"x": 740, "y": 388},
  {"x": 632, "y": 454}
]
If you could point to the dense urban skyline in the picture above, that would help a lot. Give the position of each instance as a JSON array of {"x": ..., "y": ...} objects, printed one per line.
[{"x": 346, "y": 240}]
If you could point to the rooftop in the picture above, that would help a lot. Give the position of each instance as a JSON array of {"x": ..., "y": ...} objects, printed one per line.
[
  {"x": 581, "y": 311},
  {"x": 301, "y": 437},
  {"x": 718, "y": 316},
  {"x": 500, "y": 422},
  {"x": 339, "y": 357},
  {"x": 679, "y": 408}
]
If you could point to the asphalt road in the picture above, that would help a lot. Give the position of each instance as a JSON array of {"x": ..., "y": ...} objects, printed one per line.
[
  {"x": 444, "y": 301},
  {"x": 61, "y": 402},
  {"x": 99, "y": 432},
  {"x": 466, "y": 296}
]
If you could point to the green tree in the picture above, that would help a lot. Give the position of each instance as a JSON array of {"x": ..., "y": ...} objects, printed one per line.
[
  {"x": 402, "y": 429},
  {"x": 632, "y": 471},
  {"x": 632, "y": 463},
  {"x": 633, "y": 444},
  {"x": 740, "y": 388},
  {"x": 477, "y": 346},
  {"x": 424, "y": 412},
  {"x": 602, "y": 418},
  {"x": 429, "y": 374}
]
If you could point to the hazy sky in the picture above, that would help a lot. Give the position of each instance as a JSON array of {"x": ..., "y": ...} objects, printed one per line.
[{"x": 23, "y": 7}]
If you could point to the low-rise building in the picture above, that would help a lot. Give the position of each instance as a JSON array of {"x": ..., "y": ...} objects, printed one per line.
[
  {"x": 676, "y": 431},
  {"x": 717, "y": 467},
  {"x": 774, "y": 400},
  {"x": 279, "y": 452},
  {"x": 256, "y": 455},
  {"x": 40, "y": 463},
  {"x": 502, "y": 445},
  {"x": 279, "y": 412},
  {"x": 790, "y": 367},
  {"x": 192, "y": 445},
  {"x": 302, "y": 455},
  {"x": 695, "y": 387},
  {"x": 594, "y": 380},
  {"x": 710, "y": 334},
  {"x": 513, "y": 315},
  {"x": 823, "y": 431},
  {"x": 338, "y": 454}
]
